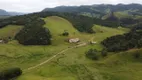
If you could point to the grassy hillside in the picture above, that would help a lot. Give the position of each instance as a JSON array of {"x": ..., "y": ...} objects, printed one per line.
[
  {"x": 9, "y": 31},
  {"x": 123, "y": 14},
  {"x": 104, "y": 32},
  {"x": 57, "y": 26}
]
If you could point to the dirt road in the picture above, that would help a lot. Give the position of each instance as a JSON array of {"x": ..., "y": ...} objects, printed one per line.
[{"x": 46, "y": 61}]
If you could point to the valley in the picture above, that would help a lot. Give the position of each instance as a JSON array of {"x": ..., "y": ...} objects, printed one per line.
[{"x": 88, "y": 42}]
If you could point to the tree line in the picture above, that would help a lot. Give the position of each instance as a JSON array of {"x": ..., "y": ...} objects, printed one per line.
[
  {"x": 33, "y": 32},
  {"x": 130, "y": 40}
]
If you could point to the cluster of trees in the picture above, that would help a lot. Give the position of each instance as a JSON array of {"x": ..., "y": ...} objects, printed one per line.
[
  {"x": 128, "y": 21},
  {"x": 33, "y": 32},
  {"x": 137, "y": 27},
  {"x": 10, "y": 73},
  {"x": 130, "y": 40},
  {"x": 107, "y": 23},
  {"x": 113, "y": 21},
  {"x": 92, "y": 54},
  {"x": 65, "y": 33},
  {"x": 95, "y": 54}
]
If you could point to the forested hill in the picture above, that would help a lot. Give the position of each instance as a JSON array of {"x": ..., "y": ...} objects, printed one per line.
[
  {"x": 6, "y": 13},
  {"x": 99, "y": 11},
  {"x": 3, "y": 13},
  {"x": 105, "y": 14}
]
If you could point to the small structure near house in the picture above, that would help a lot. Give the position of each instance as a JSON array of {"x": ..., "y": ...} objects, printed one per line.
[
  {"x": 1, "y": 41},
  {"x": 73, "y": 40},
  {"x": 81, "y": 44},
  {"x": 92, "y": 42}
]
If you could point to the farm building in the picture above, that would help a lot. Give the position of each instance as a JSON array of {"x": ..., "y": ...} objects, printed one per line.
[
  {"x": 1, "y": 41},
  {"x": 73, "y": 40},
  {"x": 92, "y": 42}
]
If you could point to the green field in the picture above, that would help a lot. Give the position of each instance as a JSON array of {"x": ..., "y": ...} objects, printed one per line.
[
  {"x": 9, "y": 31},
  {"x": 122, "y": 14},
  {"x": 72, "y": 64}
]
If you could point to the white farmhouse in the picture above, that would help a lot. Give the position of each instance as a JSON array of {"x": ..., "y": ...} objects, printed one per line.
[{"x": 73, "y": 40}]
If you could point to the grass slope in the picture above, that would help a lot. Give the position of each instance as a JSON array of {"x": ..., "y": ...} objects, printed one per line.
[
  {"x": 104, "y": 32},
  {"x": 57, "y": 26},
  {"x": 9, "y": 31}
]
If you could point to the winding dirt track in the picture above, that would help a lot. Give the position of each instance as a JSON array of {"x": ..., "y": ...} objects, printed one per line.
[{"x": 46, "y": 61}]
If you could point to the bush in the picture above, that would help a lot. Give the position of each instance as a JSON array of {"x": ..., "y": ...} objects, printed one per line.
[
  {"x": 10, "y": 73},
  {"x": 92, "y": 54},
  {"x": 104, "y": 52},
  {"x": 137, "y": 55},
  {"x": 65, "y": 34}
]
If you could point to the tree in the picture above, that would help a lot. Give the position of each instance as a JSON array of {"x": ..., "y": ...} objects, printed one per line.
[
  {"x": 10, "y": 73},
  {"x": 92, "y": 54},
  {"x": 65, "y": 33},
  {"x": 104, "y": 52}
]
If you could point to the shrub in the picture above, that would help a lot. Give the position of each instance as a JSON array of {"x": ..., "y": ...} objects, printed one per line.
[
  {"x": 10, "y": 73},
  {"x": 104, "y": 52},
  {"x": 92, "y": 54},
  {"x": 65, "y": 33},
  {"x": 137, "y": 55}
]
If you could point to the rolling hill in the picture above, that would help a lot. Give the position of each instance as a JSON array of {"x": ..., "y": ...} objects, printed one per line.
[
  {"x": 9, "y": 31},
  {"x": 100, "y": 10}
]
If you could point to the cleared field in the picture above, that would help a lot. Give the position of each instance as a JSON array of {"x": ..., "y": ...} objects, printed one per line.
[
  {"x": 122, "y": 14},
  {"x": 9, "y": 31},
  {"x": 104, "y": 32}
]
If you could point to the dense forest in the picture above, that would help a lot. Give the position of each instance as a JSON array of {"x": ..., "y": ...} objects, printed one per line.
[{"x": 130, "y": 40}]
